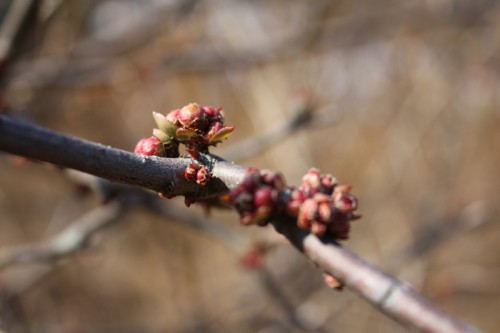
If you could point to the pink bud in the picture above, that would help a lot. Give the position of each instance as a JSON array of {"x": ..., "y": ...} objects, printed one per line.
[
  {"x": 251, "y": 181},
  {"x": 324, "y": 212},
  {"x": 265, "y": 196},
  {"x": 307, "y": 213},
  {"x": 191, "y": 172},
  {"x": 173, "y": 116},
  {"x": 203, "y": 175},
  {"x": 247, "y": 218},
  {"x": 344, "y": 200},
  {"x": 328, "y": 182},
  {"x": 189, "y": 114},
  {"x": 149, "y": 146},
  {"x": 274, "y": 179},
  {"x": 211, "y": 111},
  {"x": 312, "y": 181},
  {"x": 318, "y": 228}
]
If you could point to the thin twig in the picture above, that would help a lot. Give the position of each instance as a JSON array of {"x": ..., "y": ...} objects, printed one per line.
[
  {"x": 11, "y": 25},
  {"x": 72, "y": 239}
]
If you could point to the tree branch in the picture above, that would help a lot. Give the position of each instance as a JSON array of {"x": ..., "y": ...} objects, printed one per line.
[
  {"x": 386, "y": 293},
  {"x": 165, "y": 175},
  {"x": 383, "y": 291},
  {"x": 69, "y": 241}
]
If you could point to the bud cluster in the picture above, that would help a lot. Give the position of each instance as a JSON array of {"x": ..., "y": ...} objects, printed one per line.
[
  {"x": 319, "y": 204},
  {"x": 257, "y": 197},
  {"x": 322, "y": 205},
  {"x": 195, "y": 126},
  {"x": 198, "y": 173}
]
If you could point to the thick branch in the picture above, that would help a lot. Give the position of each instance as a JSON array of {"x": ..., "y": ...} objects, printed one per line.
[
  {"x": 158, "y": 174},
  {"x": 386, "y": 293}
]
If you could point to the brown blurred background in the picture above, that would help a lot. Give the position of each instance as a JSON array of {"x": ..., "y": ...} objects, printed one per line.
[{"x": 401, "y": 100}]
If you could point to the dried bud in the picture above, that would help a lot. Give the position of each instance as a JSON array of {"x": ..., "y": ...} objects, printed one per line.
[{"x": 150, "y": 146}]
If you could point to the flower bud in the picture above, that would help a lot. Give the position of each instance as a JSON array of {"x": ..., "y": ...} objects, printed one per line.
[
  {"x": 274, "y": 179},
  {"x": 318, "y": 228},
  {"x": 307, "y": 213},
  {"x": 203, "y": 175},
  {"x": 265, "y": 196},
  {"x": 328, "y": 182},
  {"x": 149, "y": 146},
  {"x": 344, "y": 200},
  {"x": 325, "y": 212},
  {"x": 311, "y": 182},
  {"x": 191, "y": 171},
  {"x": 297, "y": 197},
  {"x": 213, "y": 112},
  {"x": 190, "y": 114},
  {"x": 173, "y": 116}
]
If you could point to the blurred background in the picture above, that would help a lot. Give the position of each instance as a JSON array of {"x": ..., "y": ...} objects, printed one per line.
[{"x": 398, "y": 98}]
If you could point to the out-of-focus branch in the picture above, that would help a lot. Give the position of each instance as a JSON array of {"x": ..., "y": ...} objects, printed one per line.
[
  {"x": 383, "y": 291},
  {"x": 11, "y": 25},
  {"x": 386, "y": 293},
  {"x": 74, "y": 238},
  {"x": 286, "y": 304},
  {"x": 254, "y": 145}
]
